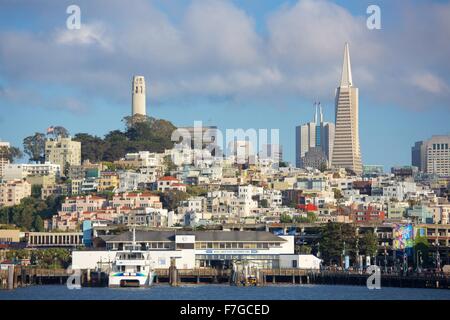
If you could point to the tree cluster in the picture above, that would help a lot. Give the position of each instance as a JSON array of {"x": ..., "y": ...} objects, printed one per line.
[
  {"x": 141, "y": 133},
  {"x": 148, "y": 134},
  {"x": 29, "y": 215}
]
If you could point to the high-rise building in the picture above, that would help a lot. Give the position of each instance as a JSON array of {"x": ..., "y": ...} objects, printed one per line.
[
  {"x": 242, "y": 151},
  {"x": 432, "y": 156},
  {"x": 63, "y": 151},
  {"x": 138, "y": 96},
  {"x": 346, "y": 149},
  {"x": 272, "y": 151},
  {"x": 316, "y": 134},
  {"x": 4, "y": 160}
]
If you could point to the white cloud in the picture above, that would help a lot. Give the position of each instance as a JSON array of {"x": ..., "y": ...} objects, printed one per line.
[
  {"x": 429, "y": 82},
  {"x": 214, "y": 49},
  {"x": 88, "y": 34}
]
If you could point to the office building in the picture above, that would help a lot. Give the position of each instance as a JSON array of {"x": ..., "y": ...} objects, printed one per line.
[
  {"x": 346, "y": 149},
  {"x": 432, "y": 156},
  {"x": 317, "y": 135}
]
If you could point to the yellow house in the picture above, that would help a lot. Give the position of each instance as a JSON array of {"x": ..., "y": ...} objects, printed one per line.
[{"x": 108, "y": 181}]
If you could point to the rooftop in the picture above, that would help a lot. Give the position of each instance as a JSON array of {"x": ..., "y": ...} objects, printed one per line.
[{"x": 199, "y": 236}]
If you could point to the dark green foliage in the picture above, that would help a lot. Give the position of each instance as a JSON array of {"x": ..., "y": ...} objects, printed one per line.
[
  {"x": 196, "y": 191},
  {"x": 422, "y": 247},
  {"x": 285, "y": 218},
  {"x": 310, "y": 218},
  {"x": 34, "y": 147},
  {"x": 264, "y": 203},
  {"x": 369, "y": 244},
  {"x": 141, "y": 133},
  {"x": 332, "y": 240},
  {"x": 10, "y": 153},
  {"x": 171, "y": 199},
  {"x": 92, "y": 147},
  {"x": 36, "y": 191},
  {"x": 51, "y": 258},
  {"x": 29, "y": 214}
]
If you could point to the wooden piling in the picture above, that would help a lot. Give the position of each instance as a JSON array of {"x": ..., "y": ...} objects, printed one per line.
[{"x": 10, "y": 277}]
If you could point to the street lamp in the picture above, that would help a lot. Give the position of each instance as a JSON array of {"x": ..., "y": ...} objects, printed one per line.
[
  {"x": 357, "y": 253},
  {"x": 343, "y": 257},
  {"x": 385, "y": 258},
  {"x": 419, "y": 261},
  {"x": 438, "y": 257}
]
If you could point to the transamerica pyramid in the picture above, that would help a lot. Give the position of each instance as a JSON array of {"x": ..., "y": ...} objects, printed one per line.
[{"x": 346, "y": 150}]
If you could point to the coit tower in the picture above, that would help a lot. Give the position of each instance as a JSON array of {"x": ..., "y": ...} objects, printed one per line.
[{"x": 138, "y": 96}]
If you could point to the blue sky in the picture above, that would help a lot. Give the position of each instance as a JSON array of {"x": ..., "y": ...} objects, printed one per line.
[{"x": 234, "y": 64}]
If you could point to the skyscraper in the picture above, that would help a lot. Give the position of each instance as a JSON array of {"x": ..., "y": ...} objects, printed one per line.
[
  {"x": 432, "y": 156},
  {"x": 316, "y": 134},
  {"x": 346, "y": 149},
  {"x": 138, "y": 96}
]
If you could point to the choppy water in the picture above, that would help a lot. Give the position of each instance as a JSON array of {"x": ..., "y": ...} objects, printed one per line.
[{"x": 226, "y": 292}]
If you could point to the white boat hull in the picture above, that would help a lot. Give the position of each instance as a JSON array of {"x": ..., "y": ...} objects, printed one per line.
[{"x": 130, "y": 279}]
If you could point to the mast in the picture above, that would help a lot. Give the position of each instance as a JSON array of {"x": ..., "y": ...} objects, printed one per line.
[{"x": 134, "y": 237}]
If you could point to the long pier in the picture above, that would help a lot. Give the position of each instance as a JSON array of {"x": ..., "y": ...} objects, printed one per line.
[{"x": 18, "y": 276}]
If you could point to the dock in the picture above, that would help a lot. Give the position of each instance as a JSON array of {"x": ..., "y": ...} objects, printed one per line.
[{"x": 17, "y": 276}]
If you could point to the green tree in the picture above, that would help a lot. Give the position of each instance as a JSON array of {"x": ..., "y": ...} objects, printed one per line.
[
  {"x": 332, "y": 239},
  {"x": 36, "y": 191},
  {"x": 264, "y": 203},
  {"x": 10, "y": 153},
  {"x": 369, "y": 244},
  {"x": 338, "y": 194},
  {"x": 34, "y": 147},
  {"x": 168, "y": 165},
  {"x": 59, "y": 131},
  {"x": 38, "y": 224},
  {"x": 422, "y": 248},
  {"x": 285, "y": 218},
  {"x": 196, "y": 191},
  {"x": 17, "y": 254},
  {"x": 171, "y": 199},
  {"x": 303, "y": 249},
  {"x": 92, "y": 147}
]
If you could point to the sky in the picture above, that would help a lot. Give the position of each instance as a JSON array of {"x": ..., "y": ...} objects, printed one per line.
[{"x": 234, "y": 64}]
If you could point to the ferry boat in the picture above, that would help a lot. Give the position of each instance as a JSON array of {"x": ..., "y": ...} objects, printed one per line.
[{"x": 131, "y": 267}]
